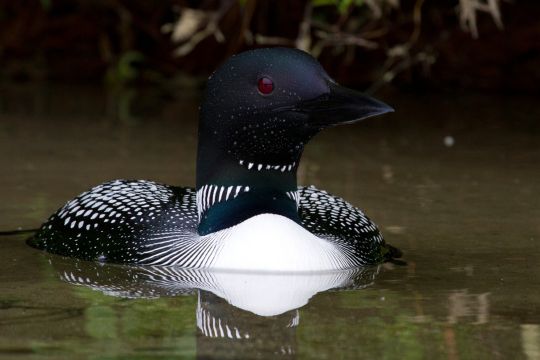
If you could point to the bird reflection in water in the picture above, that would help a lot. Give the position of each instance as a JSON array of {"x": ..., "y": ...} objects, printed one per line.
[{"x": 237, "y": 312}]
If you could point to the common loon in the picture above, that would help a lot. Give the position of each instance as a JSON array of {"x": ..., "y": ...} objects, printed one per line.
[{"x": 247, "y": 213}]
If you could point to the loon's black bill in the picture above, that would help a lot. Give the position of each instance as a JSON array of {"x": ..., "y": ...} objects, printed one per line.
[{"x": 341, "y": 106}]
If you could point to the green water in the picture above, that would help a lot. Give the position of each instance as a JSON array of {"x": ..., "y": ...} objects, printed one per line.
[{"x": 452, "y": 180}]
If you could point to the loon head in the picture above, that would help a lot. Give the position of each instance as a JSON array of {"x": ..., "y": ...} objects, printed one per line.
[{"x": 260, "y": 109}]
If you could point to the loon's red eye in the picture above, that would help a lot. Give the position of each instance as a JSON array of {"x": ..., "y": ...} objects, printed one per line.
[{"x": 265, "y": 85}]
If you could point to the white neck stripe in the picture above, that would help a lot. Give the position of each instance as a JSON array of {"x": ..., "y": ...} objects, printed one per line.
[{"x": 209, "y": 195}]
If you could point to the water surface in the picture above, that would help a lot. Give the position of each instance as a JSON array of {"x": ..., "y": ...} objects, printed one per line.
[{"x": 450, "y": 179}]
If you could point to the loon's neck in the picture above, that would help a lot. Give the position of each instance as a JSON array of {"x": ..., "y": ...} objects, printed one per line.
[{"x": 230, "y": 190}]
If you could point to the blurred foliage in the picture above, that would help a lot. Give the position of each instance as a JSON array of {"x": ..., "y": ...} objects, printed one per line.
[
  {"x": 450, "y": 43},
  {"x": 46, "y": 4},
  {"x": 125, "y": 69}
]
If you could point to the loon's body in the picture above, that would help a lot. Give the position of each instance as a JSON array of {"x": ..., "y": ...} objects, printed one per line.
[
  {"x": 246, "y": 212},
  {"x": 142, "y": 222}
]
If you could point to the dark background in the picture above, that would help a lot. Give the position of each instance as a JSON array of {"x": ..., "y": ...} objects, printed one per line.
[{"x": 491, "y": 46}]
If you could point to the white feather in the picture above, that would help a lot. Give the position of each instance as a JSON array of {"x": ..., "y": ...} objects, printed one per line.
[{"x": 275, "y": 243}]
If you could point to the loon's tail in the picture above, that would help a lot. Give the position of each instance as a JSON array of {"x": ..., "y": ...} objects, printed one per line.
[{"x": 392, "y": 254}]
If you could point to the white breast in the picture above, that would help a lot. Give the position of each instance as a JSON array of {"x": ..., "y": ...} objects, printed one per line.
[{"x": 269, "y": 242}]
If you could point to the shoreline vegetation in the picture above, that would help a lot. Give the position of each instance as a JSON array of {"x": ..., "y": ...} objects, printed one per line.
[{"x": 466, "y": 44}]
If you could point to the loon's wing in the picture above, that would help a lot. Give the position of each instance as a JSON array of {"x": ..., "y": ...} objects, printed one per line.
[
  {"x": 336, "y": 220},
  {"x": 122, "y": 221}
]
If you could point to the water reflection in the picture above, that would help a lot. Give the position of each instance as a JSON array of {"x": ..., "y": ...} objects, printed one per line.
[
  {"x": 461, "y": 304},
  {"x": 530, "y": 338},
  {"x": 235, "y": 311},
  {"x": 223, "y": 328}
]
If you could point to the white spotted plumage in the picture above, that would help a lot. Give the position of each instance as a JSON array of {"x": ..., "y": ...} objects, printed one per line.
[{"x": 259, "y": 166}]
